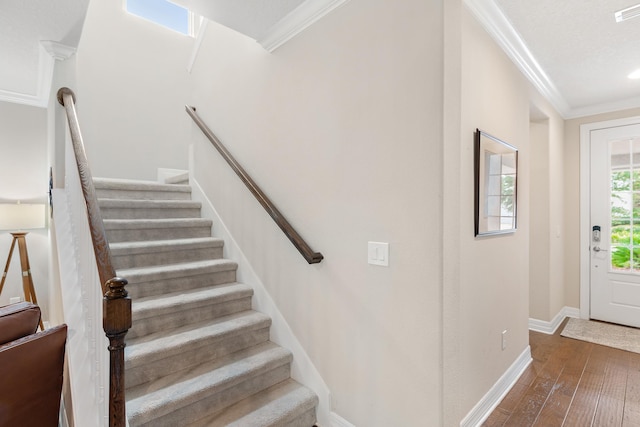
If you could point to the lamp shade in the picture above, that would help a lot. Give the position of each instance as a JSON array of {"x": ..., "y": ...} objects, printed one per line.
[{"x": 21, "y": 217}]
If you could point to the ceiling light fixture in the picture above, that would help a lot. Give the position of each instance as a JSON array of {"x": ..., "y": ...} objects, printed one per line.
[
  {"x": 628, "y": 13},
  {"x": 635, "y": 74}
]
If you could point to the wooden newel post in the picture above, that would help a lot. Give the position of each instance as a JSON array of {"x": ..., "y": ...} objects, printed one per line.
[{"x": 116, "y": 320}]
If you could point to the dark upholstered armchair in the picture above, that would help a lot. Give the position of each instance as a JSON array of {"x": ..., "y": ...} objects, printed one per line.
[{"x": 31, "y": 368}]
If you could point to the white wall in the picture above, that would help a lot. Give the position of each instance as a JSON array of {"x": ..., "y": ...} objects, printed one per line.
[
  {"x": 494, "y": 271},
  {"x": 24, "y": 176},
  {"x": 342, "y": 128},
  {"x": 57, "y": 128},
  {"x": 539, "y": 240},
  {"x": 131, "y": 91},
  {"x": 547, "y": 236},
  {"x": 360, "y": 129},
  {"x": 557, "y": 204}
]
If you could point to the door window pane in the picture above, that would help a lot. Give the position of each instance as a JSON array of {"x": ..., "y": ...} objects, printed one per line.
[
  {"x": 625, "y": 205},
  {"x": 620, "y": 257}
]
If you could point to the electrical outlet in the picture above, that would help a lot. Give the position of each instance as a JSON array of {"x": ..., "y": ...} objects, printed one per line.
[
  {"x": 14, "y": 300},
  {"x": 504, "y": 340}
]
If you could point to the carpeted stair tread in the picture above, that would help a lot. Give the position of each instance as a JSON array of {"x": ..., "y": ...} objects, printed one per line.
[
  {"x": 115, "y": 208},
  {"x": 167, "y": 343},
  {"x": 127, "y": 230},
  {"x": 213, "y": 345},
  {"x": 148, "y": 204},
  {"x": 174, "y": 271},
  {"x": 130, "y": 248},
  {"x": 185, "y": 300},
  {"x": 137, "y": 224},
  {"x": 208, "y": 383},
  {"x": 210, "y": 365},
  {"x": 159, "y": 252},
  {"x": 172, "y": 310},
  {"x": 154, "y": 280},
  {"x": 280, "y": 405},
  {"x": 133, "y": 185},
  {"x": 107, "y": 188}
]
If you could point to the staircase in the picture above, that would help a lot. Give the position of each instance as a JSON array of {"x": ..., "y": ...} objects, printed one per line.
[{"x": 197, "y": 354}]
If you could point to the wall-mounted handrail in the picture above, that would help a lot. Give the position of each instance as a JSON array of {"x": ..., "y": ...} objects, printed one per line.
[
  {"x": 116, "y": 308},
  {"x": 295, "y": 238}
]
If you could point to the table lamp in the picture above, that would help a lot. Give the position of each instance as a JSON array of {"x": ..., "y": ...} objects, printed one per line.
[{"x": 20, "y": 217}]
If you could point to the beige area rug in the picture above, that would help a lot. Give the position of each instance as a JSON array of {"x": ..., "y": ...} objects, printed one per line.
[{"x": 616, "y": 336}]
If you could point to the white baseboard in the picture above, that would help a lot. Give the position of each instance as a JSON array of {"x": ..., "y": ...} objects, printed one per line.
[
  {"x": 164, "y": 173},
  {"x": 489, "y": 401},
  {"x": 550, "y": 327},
  {"x": 62, "y": 416},
  {"x": 338, "y": 421}
]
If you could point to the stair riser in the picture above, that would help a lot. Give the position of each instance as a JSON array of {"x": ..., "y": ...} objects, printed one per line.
[
  {"x": 204, "y": 351},
  {"x": 157, "y": 286},
  {"x": 148, "y": 213},
  {"x": 179, "y": 182},
  {"x": 285, "y": 404},
  {"x": 186, "y": 316},
  {"x": 148, "y": 234},
  {"x": 217, "y": 401},
  {"x": 166, "y": 257},
  {"x": 304, "y": 420},
  {"x": 182, "y": 179},
  {"x": 104, "y": 193}
]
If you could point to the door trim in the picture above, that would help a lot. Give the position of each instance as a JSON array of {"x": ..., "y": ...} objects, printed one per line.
[{"x": 585, "y": 203}]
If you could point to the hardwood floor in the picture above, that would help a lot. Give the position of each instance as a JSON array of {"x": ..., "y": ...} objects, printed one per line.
[{"x": 572, "y": 383}]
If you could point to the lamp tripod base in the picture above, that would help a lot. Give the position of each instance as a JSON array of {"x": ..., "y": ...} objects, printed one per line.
[{"x": 27, "y": 281}]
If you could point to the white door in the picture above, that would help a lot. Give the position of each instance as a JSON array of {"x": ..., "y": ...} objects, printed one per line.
[{"x": 615, "y": 216}]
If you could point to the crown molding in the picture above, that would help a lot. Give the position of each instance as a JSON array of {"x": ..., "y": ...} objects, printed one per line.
[
  {"x": 57, "y": 50},
  {"x": 297, "y": 21},
  {"x": 49, "y": 52},
  {"x": 498, "y": 26},
  {"x": 608, "y": 107}
]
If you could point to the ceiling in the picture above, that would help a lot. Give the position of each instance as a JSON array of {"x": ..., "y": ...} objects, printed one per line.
[
  {"x": 32, "y": 34},
  {"x": 573, "y": 51}
]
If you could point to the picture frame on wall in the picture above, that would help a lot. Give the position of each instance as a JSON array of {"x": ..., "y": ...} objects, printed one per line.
[{"x": 496, "y": 184}]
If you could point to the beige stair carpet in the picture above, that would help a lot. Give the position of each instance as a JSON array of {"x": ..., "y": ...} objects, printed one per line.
[{"x": 197, "y": 354}]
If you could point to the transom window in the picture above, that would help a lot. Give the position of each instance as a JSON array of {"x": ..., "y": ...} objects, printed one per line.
[{"x": 164, "y": 13}]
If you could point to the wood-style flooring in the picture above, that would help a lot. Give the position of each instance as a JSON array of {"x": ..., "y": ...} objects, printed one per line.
[{"x": 572, "y": 383}]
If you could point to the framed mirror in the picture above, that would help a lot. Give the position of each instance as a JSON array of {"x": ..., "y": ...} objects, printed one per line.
[{"x": 496, "y": 178}]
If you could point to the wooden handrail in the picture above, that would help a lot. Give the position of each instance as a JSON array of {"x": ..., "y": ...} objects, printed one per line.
[
  {"x": 116, "y": 305},
  {"x": 295, "y": 238}
]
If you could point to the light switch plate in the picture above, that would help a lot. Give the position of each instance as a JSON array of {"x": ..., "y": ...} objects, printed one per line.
[{"x": 378, "y": 253}]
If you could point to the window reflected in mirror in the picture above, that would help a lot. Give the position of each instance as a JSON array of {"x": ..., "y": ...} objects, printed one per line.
[{"x": 496, "y": 185}]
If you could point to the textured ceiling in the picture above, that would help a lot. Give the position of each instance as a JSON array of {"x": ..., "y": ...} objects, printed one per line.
[
  {"x": 581, "y": 48},
  {"x": 584, "y": 55}
]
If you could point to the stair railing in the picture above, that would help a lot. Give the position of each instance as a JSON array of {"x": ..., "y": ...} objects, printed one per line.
[
  {"x": 116, "y": 305},
  {"x": 295, "y": 238}
]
